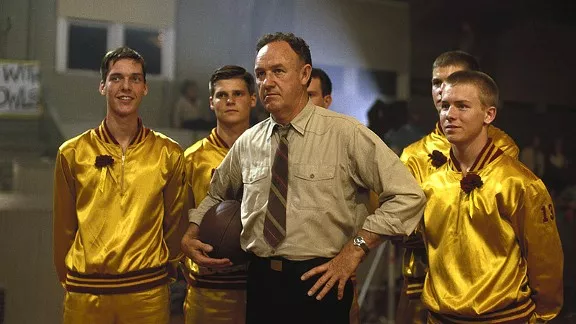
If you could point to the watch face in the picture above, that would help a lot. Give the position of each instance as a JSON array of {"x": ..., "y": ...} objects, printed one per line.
[{"x": 361, "y": 243}]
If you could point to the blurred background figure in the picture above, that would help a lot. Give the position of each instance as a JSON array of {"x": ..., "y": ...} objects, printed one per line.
[
  {"x": 392, "y": 122},
  {"x": 188, "y": 112},
  {"x": 320, "y": 88},
  {"x": 557, "y": 173},
  {"x": 533, "y": 157},
  {"x": 382, "y": 118},
  {"x": 408, "y": 132}
]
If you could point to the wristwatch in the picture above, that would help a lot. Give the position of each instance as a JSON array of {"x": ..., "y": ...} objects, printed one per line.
[{"x": 361, "y": 243}]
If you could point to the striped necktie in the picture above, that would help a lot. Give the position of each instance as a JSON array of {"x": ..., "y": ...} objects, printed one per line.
[{"x": 275, "y": 222}]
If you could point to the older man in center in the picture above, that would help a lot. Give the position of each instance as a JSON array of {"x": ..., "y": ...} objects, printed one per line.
[{"x": 305, "y": 174}]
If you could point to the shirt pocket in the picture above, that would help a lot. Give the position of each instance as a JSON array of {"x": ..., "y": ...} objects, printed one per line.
[
  {"x": 312, "y": 186},
  {"x": 256, "y": 184}
]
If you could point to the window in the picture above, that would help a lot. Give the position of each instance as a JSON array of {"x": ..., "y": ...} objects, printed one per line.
[
  {"x": 81, "y": 44},
  {"x": 86, "y": 46},
  {"x": 149, "y": 44}
]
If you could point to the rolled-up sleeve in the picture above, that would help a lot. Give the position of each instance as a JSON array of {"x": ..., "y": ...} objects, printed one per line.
[{"x": 376, "y": 167}]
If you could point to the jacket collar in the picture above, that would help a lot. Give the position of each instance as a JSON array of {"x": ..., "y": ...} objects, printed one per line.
[
  {"x": 216, "y": 140},
  {"x": 488, "y": 154},
  {"x": 106, "y": 136}
]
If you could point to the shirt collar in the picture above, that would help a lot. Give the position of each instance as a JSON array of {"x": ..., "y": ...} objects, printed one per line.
[{"x": 298, "y": 123}]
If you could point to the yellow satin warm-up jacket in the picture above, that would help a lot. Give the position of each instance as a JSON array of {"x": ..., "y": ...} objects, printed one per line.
[
  {"x": 494, "y": 252},
  {"x": 118, "y": 216},
  {"x": 417, "y": 158},
  {"x": 202, "y": 158}
]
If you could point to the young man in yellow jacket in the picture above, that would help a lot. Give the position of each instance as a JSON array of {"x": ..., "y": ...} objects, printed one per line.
[
  {"x": 119, "y": 208},
  {"x": 218, "y": 296},
  {"x": 494, "y": 252}
]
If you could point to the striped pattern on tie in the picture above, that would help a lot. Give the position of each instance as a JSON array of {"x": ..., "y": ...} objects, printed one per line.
[{"x": 275, "y": 221}]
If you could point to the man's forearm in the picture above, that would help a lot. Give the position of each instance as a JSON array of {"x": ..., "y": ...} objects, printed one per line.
[
  {"x": 196, "y": 215},
  {"x": 372, "y": 239}
]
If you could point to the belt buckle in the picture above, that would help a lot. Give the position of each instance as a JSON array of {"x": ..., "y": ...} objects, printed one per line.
[{"x": 276, "y": 265}]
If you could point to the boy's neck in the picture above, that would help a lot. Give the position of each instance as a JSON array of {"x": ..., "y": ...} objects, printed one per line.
[
  {"x": 229, "y": 133},
  {"x": 122, "y": 128},
  {"x": 466, "y": 153}
]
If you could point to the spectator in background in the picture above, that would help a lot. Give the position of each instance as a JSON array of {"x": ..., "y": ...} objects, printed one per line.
[
  {"x": 320, "y": 89},
  {"x": 557, "y": 158},
  {"x": 382, "y": 118},
  {"x": 189, "y": 112},
  {"x": 533, "y": 157},
  {"x": 408, "y": 132},
  {"x": 557, "y": 171}
]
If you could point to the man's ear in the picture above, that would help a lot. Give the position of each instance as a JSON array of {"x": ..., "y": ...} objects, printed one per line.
[
  {"x": 101, "y": 88},
  {"x": 306, "y": 74},
  {"x": 489, "y": 115},
  {"x": 252, "y": 101},
  {"x": 211, "y": 105},
  {"x": 327, "y": 101}
]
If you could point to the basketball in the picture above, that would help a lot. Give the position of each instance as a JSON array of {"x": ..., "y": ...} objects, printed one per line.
[{"x": 221, "y": 227}]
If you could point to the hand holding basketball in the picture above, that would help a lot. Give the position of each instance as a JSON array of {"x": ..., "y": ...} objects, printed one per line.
[{"x": 221, "y": 228}]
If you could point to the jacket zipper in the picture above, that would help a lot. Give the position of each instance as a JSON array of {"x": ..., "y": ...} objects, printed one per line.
[{"x": 122, "y": 176}]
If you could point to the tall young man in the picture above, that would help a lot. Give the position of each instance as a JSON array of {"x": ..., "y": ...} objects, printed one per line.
[{"x": 119, "y": 205}]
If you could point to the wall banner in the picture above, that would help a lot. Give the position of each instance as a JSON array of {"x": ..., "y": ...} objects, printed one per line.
[{"x": 19, "y": 88}]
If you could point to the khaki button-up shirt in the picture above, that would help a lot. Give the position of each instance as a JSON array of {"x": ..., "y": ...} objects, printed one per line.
[{"x": 334, "y": 162}]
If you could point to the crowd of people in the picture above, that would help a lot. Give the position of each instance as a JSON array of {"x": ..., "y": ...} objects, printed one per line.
[{"x": 318, "y": 191}]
